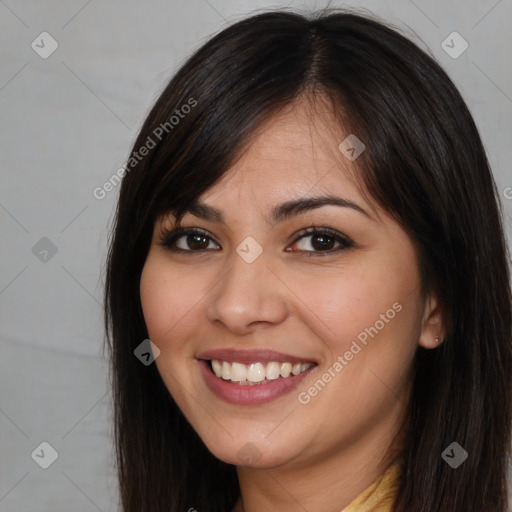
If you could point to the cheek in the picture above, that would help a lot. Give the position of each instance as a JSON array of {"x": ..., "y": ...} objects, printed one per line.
[
  {"x": 167, "y": 299},
  {"x": 344, "y": 304},
  {"x": 370, "y": 321},
  {"x": 372, "y": 310}
]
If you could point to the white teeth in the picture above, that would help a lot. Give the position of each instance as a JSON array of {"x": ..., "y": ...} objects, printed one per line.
[
  {"x": 238, "y": 372},
  {"x": 217, "y": 367},
  {"x": 226, "y": 370},
  {"x": 272, "y": 370},
  {"x": 255, "y": 373},
  {"x": 286, "y": 369}
]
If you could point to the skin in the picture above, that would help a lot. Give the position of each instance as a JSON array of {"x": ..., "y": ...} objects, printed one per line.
[{"x": 321, "y": 455}]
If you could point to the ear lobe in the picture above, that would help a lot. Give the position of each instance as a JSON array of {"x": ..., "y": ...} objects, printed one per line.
[{"x": 432, "y": 329}]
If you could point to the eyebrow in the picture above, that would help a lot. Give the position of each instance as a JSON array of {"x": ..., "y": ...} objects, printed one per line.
[{"x": 280, "y": 212}]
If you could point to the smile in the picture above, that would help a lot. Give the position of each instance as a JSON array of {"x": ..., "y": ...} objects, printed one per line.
[
  {"x": 252, "y": 377},
  {"x": 258, "y": 373}
]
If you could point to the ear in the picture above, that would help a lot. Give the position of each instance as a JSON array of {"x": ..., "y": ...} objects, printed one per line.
[{"x": 432, "y": 329}]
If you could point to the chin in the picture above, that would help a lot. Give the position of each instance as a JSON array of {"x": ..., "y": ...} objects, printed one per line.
[{"x": 247, "y": 452}]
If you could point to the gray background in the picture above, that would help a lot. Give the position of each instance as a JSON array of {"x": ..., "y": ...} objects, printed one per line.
[{"x": 67, "y": 124}]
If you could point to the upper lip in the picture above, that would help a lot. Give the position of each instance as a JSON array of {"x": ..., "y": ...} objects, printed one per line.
[{"x": 251, "y": 356}]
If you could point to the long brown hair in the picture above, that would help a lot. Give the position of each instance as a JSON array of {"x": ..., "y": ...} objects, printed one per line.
[{"x": 424, "y": 164}]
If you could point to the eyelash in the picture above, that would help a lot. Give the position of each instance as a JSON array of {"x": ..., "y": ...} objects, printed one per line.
[{"x": 169, "y": 238}]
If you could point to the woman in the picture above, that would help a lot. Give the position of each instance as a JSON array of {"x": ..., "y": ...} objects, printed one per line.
[{"x": 311, "y": 239}]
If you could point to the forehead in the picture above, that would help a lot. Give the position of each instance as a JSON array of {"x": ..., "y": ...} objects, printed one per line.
[
  {"x": 302, "y": 135},
  {"x": 293, "y": 154}
]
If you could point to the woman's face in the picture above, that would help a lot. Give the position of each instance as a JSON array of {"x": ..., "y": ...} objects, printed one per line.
[{"x": 257, "y": 298}]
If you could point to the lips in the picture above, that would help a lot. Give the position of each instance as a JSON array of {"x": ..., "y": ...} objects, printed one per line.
[{"x": 252, "y": 377}]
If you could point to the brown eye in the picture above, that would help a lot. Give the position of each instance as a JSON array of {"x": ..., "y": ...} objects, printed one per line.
[
  {"x": 196, "y": 241},
  {"x": 322, "y": 241},
  {"x": 186, "y": 240}
]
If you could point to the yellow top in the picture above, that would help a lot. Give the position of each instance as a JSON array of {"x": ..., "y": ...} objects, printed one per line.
[{"x": 380, "y": 496}]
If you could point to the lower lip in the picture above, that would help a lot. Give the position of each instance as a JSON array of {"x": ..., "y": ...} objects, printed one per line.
[{"x": 247, "y": 394}]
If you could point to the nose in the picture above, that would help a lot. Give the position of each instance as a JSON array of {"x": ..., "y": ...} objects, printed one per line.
[{"x": 249, "y": 294}]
